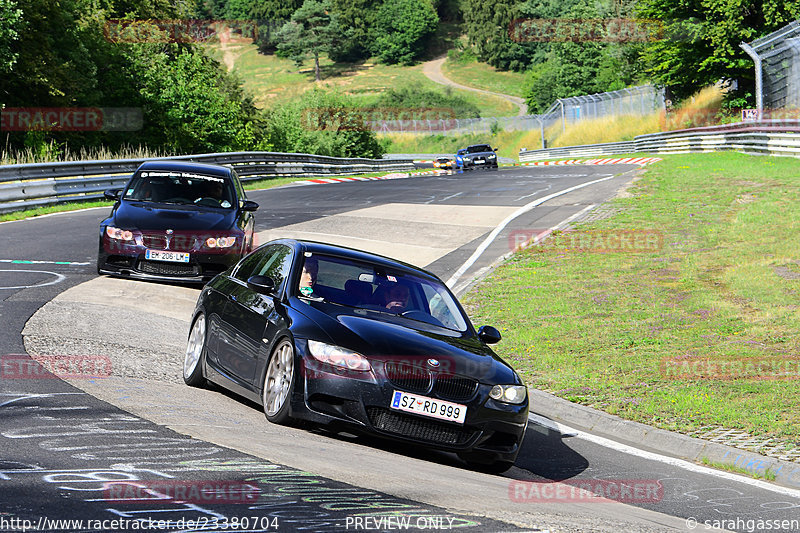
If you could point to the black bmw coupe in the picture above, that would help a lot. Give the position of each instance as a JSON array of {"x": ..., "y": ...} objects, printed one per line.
[
  {"x": 334, "y": 335},
  {"x": 176, "y": 221}
]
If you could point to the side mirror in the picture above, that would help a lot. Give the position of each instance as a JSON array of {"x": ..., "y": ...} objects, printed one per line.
[
  {"x": 249, "y": 205},
  {"x": 262, "y": 284},
  {"x": 111, "y": 194},
  {"x": 489, "y": 335},
  {"x": 495, "y": 149}
]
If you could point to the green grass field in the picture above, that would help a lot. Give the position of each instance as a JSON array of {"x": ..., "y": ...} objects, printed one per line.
[
  {"x": 700, "y": 332},
  {"x": 273, "y": 81},
  {"x": 483, "y": 76}
]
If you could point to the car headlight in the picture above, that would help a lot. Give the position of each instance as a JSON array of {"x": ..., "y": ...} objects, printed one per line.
[
  {"x": 220, "y": 242},
  {"x": 338, "y": 356},
  {"x": 509, "y": 393},
  {"x": 492, "y": 156},
  {"x": 119, "y": 234}
]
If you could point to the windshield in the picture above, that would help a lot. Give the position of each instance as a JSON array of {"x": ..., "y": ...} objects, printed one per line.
[
  {"x": 181, "y": 188},
  {"x": 361, "y": 285},
  {"x": 479, "y": 148}
]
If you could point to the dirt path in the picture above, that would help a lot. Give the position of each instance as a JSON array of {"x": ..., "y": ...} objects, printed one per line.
[
  {"x": 229, "y": 54},
  {"x": 433, "y": 70}
]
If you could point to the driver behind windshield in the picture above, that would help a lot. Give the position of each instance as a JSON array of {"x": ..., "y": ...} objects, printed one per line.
[{"x": 397, "y": 298}]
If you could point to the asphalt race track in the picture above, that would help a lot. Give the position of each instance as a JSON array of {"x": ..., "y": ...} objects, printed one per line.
[{"x": 140, "y": 446}]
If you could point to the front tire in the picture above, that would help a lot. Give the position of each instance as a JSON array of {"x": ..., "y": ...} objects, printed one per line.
[
  {"x": 279, "y": 381},
  {"x": 195, "y": 353}
]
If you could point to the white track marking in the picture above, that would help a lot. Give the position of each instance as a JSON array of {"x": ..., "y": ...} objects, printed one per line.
[
  {"x": 680, "y": 463},
  {"x": 521, "y": 211}
]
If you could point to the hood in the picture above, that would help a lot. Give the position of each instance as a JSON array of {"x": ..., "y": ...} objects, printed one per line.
[
  {"x": 386, "y": 337},
  {"x": 154, "y": 216}
]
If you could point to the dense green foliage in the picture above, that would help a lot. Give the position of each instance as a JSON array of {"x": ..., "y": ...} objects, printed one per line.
[
  {"x": 311, "y": 31},
  {"x": 448, "y": 104},
  {"x": 701, "y": 39},
  {"x": 403, "y": 27},
  {"x": 323, "y": 123},
  {"x": 395, "y": 31},
  {"x": 189, "y": 102},
  {"x": 486, "y": 24},
  {"x": 64, "y": 59},
  {"x": 10, "y": 22}
]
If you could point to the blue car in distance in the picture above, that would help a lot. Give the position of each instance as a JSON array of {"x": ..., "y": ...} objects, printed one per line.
[{"x": 477, "y": 156}]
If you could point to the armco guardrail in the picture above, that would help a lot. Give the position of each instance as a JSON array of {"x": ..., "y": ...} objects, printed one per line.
[
  {"x": 772, "y": 137},
  {"x": 33, "y": 185}
]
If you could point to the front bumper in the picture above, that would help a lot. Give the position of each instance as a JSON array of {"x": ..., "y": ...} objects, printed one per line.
[
  {"x": 492, "y": 429},
  {"x": 128, "y": 260}
]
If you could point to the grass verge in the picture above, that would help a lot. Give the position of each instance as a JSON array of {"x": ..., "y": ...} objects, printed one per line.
[
  {"x": 699, "y": 332},
  {"x": 274, "y": 81},
  {"x": 482, "y": 76},
  {"x": 769, "y": 475}
]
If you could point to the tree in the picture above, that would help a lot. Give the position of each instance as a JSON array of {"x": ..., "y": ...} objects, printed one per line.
[
  {"x": 403, "y": 27},
  {"x": 700, "y": 44},
  {"x": 190, "y": 102},
  {"x": 358, "y": 19},
  {"x": 324, "y": 123},
  {"x": 311, "y": 31},
  {"x": 487, "y": 24},
  {"x": 10, "y": 24}
]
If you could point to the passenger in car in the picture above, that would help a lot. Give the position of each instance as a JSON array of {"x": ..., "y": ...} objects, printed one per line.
[{"x": 308, "y": 276}]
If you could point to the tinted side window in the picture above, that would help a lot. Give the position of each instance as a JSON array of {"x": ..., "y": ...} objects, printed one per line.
[
  {"x": 252, "y": 263},
  {"x": 277, "y": 264}
]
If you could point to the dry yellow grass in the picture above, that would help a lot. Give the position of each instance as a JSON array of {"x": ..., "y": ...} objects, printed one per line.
[
  {"x": 702, "y": 109},
  {"x": 607, "y": 129}
]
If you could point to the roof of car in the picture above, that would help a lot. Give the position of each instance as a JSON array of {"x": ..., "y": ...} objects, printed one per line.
[
  {"x": 358, "y": 255},
  {"x": 186, "y": 166},
  {"x": 477, "y": 146}
]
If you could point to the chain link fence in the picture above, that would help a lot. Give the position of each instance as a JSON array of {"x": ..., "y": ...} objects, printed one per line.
[
  {"x": 777, "y": 58},
  {"x": 641, "y": 100},
  {"x": 456, "y": 126}
]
